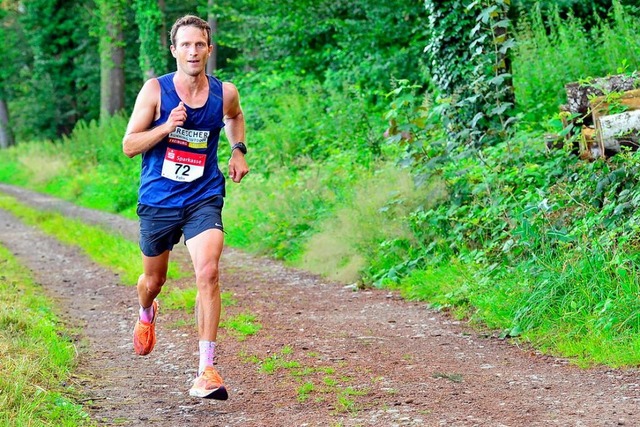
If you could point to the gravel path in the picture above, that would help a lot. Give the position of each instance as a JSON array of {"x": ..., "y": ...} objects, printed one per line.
[{"x": 355, "y": 358}]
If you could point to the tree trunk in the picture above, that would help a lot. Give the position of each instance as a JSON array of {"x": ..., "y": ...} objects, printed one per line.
[
  {"x": 6, "y": 136},
  {"x": 164, "y": 34},
  {"x": 111, "y": 63},
  {"x": 212, "y": 63}
]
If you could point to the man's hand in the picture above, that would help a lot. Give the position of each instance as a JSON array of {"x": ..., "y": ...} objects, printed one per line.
[
  {"x": 237, "y": 166},
  {"x": 177, "y": 117}
]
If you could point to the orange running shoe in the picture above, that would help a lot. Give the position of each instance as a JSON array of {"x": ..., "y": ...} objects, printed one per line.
[
  {"x": 209, "y": 385},
  {"x": 144, "y": 334}
]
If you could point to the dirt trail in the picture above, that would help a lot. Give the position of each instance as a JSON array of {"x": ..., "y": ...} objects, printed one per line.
[{"x": 412, "y": 366}]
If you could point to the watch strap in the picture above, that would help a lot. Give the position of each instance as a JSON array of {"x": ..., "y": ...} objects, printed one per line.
[{"x": 240, "y": 146}]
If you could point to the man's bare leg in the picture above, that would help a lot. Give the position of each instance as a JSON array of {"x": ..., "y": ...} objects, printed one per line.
[
  {"x": 151, "y": 280},
  {"x": 149, "y": 286},
  {"x": 205, "y": 250}
]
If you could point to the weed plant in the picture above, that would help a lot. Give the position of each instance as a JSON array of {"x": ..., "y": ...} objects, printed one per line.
[
  {"x": 241, "y": 325},
  {"x": 30, "y": 378}
]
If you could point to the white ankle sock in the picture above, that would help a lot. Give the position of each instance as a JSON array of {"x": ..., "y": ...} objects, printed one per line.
[{"x": 207, "y": 354}]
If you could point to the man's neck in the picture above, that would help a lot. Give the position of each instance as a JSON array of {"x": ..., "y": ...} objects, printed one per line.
[{"x": 191, "y": 89}]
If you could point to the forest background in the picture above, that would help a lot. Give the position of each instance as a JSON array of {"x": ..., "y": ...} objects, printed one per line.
[{"x": 392, "y": 144}]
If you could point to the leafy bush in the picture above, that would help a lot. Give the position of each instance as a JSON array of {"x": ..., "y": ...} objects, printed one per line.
[
  {"x": 468, "y": 58},
  {"x": 293, "y": 121}
]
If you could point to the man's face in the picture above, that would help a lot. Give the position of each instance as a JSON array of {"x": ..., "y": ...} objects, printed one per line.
[{"x": 191, "y": 50}]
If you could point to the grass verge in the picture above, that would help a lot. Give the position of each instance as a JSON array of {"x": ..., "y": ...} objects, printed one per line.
[
  {"x": 115, "y": 252},
  {"x": 31, "y": 380}
]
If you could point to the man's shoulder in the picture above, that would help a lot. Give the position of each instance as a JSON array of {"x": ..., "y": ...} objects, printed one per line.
[
  {"x": 229, "y": 89},
  {"x": 165, "y": 79}
]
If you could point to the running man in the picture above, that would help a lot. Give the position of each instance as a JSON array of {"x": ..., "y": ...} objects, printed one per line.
[{"x": 175, "y": 125}]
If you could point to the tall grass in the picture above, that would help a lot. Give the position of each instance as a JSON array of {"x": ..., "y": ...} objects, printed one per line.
[
  {"x": 36, "y": 355},
  {"x": 552, "y": 52},
  {"x": 583, "y": 305},
  {"x": 87, "y": 167}
]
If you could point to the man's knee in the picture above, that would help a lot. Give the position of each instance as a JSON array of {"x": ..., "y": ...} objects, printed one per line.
[
  {"x": 153, "y": 283},
  {"x": 207, "y": 276}
]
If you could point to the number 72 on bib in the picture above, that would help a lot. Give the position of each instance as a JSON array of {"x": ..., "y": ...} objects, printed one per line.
[{"x": 183, "y": 166}]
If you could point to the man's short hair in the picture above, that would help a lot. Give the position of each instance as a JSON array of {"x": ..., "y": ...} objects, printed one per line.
[{"x": 190, "y": 21}]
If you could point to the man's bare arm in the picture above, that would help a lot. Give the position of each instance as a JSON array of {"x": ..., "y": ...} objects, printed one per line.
[
  {"x": 235, "y": 130},
  {"x": 233, "y": 116},
  {"x": 138, "y": 137}
]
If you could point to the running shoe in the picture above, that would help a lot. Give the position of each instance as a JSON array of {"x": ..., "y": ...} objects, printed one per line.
[
  {"x": 144, "y": 334},
  {"x": 209, "y": 385}
]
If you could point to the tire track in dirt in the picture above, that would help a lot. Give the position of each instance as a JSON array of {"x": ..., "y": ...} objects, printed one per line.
[{"x": 417, "y": 366}]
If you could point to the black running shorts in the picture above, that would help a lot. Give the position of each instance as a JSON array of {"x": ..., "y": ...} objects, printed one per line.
[{"x": 161, "y": 228}]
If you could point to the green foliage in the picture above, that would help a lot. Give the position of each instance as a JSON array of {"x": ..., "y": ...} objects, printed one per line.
[
  {"x": 468, "y": 52},
  {"x": 296, "y": 120},
  {"x": 61, "y": 81},
  {"x": 150, "y": 20},
  {"x": 359, "y": 44},
  {"x": 589, "y": 12},
  {"x": 29, "y": 377},
  {"x": 552, "y": 51},
  {"x": 11, "y": 38},
  {"x": 448, "y": 53}
]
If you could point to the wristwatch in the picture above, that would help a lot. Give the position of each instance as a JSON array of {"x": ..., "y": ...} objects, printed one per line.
[{"x": 240, "y": 146}]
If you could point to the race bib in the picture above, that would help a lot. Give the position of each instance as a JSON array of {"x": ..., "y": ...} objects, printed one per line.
[{"x": 183, "y": 166}]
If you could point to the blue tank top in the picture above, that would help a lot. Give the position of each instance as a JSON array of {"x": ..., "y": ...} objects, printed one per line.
[{"x": 182, "y": 169}]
